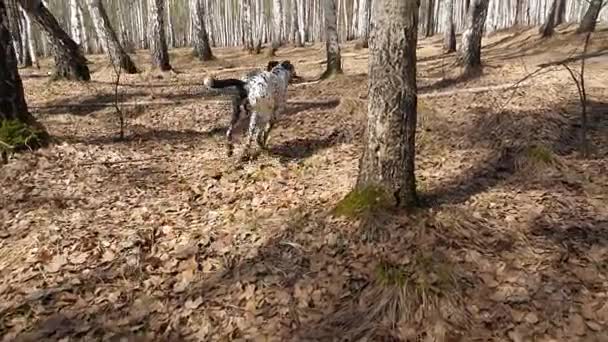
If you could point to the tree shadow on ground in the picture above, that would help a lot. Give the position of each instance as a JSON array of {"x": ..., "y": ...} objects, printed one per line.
[
  {"x": 449, "y": 82},
  {"x": 295, "y": 107},
  {"x": 301, "y": 148},
  {"x": 83, "y": 105},
  {"x": 509, "y": 136},
  {"x": 139, "y": 134}
]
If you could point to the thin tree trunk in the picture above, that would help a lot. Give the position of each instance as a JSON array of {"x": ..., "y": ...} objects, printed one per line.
[
  {"x": 334, "y": 59},
  {"x": 108, "y": 37},
  {"x": 560, "y": 12},
  {"x": 12, "y": 96},
  {"x": 69, "y": 60},
  {"x": 388, "y": 156},
  {"x": 301, "y": 23},
  {"x": 201, "y": 39},
  {"x": 277, "y": 17},
  {"x": 158, "y": 40},
  {"x": 590, "y": 19},
  {"x": 75, "y": 24},
  {"x": 548, "y": 27},
  {"x": 170, "y": 28},
  {"x": 296, "y": 37},
  {"x": 14, "y": 26},
  {"x": 430, "y": 25},
  {"x": 449, "y": 35},
  {"x": 84, "y": 41},
  {"x": 31, "y": 40},
  {"x": 27, "y": 53},
  {"x": 248, "y": 24},
  {"x": 470, "y": 49},
  {"x": 364, "y": 19}
]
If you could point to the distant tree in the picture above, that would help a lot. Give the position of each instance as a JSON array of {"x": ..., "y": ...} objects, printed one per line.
[
  {"x": 29, "y": 40},
  {"x": 202, "y": 49},
  {"x": 430, "y": 19},
  {"x": 277, "y": 30},
  {"x": 388, "y": 157},
  {"x": 15, "y": 29},
  {"x": 158, "y": 40},
  {"x": 449, "y": 35},
  {"x": 332, "y": 47},
  {"x": 109, "y": 40},
  {"x": 69, "y": 60},
  {"x": 12, "y": 97},
  {"x": 590, "y": 18},
  {"x": 548, "y": 27},
  {"x": 470, "y": 49},
  {"x": 363, "y": 20}
]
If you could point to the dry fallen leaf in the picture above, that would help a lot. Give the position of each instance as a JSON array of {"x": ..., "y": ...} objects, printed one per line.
[{"x": 56, "y": 263}]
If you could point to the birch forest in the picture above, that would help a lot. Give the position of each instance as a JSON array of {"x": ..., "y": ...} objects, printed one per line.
[
  {"x": 304, "y": 170},
  {"x": 297, "y": 21}
]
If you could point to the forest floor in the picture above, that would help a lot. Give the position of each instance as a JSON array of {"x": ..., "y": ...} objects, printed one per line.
[{"x": 162, "y": 237}]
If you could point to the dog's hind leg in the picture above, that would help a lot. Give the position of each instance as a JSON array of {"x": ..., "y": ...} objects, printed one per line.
[{"x": 236, "y": 112}]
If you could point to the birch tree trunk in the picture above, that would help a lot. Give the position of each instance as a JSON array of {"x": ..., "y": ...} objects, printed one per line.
[
  {"x": 170, "y": 28},
  {"x": 332, "y": 46},
  {"x": 470, "y": 49},
  {"x": 14, "y": 27},
  {"x": 296, "y": 37},
  {"x": 388, "y": 156},
  {"x": 31, "y": 40},
  {"x": 364, "y": 20},
  {"x": 108, "y": 37},
  {"x": 12, "y": 96},
  {"x": 590, "y": 19},
  {"x": 84, "y": 41},
  {"x": 158, "y": 40},
  {"x": 202, "y": 50},
  {"x": 259, "y": 26},
  {"x": 301, "y": 22},
  {"x": 75, "y": 24},
  {"x": 277, "y": 19},
  {"x": 248, "y": 24},
  {"x": 69, "y": 60},
  {"x": 449, "y": 35},
  {"x": 548, "y": 27},
  {"x": 560, "y": 12},
  {"x": 27, "y": 53},
  {"x": 430, "y": 25}
]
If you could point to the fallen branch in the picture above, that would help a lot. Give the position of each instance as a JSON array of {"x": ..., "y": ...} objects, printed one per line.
[{"x": 106, "y": 163}]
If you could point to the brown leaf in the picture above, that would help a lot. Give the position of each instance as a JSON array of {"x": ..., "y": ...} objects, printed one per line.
[
  {"x": 577, "y": 325},
  {"x": 56, "y": 263},
  {"x": 79, "y": 258}
]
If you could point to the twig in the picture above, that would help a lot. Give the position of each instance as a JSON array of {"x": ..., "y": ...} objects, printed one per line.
[
  {"x": 582, "y": 94},
  {"x": 119, "y": 161},
  {"x": 121, "y": 116}
]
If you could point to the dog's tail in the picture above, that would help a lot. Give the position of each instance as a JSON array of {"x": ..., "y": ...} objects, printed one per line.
[{"x": 219, "y": 84}]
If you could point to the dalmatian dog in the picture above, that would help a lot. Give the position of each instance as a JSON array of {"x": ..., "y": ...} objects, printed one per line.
[{"x": 264, "y": 93}]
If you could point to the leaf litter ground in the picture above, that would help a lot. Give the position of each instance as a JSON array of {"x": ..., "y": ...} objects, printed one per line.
[{"x": 162, "y": 237}]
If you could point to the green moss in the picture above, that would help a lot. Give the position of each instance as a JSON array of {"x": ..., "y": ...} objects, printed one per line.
[
  {"x": 362, "y": 200},
  {"x": 425, "y": 274},
  {"x": 16, "y": 135},
  {"x": 392, "y": 275},
  {"x": 540, "y": 154}
]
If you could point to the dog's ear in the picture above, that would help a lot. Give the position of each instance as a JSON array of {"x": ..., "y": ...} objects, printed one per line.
[
  {"x": 271, "y": 65},
  {"x": 287, "y": 65}
]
